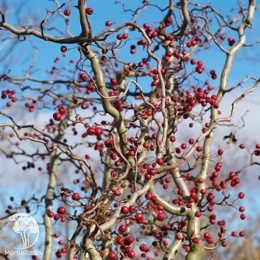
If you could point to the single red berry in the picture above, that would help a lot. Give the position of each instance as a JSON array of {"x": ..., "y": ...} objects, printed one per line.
[
  {"x": 220, "y": 151},
  {"x": 113, "y": 81},
  {"x": 199, "y": 149},
  {"x": 193, "y": 61},
  {"x": 242, "y": 146},
  {"x": 160, "y": 216},
  {"x": 197, "y": 214},
  {"x": 243, "y": 216},
  {"x": 122, "y": 229},
  {"x": 139, "y": 217},
  {"x": 75, "y": 196},
  {"x": 160, "y": 161},
  {"x": 57, "y": 116},
  {"x": 63, "y": 48},
  {"x": 119, "y": 240},
  {"x": 119, "y": 36},
  {"x": 84, "y": 106},
  {"x": 241, "y": 233},
  {"x": 50, "y": 214},
  {"x": 56, "y": 217},
  {"x": 82, "y": 76},
  {"x": 144, "y": 248},
  {"x": 224, "y": 243},
  {"x": 108, "y": 23},
  {"x": 129, "y": 240},
  {"x": 125, "y": 210},
  {"x": 61, "y": 210},
  {"x": 124, "y": 36},
  {"x": 183, "y": 146},
  {"x": 206, "y": 235},
  {"x": 132, "y": 209},
  {"x": 131, "y": 253},
  {"x": 210, "y": 240},
  {"x": 112, "y": 255},
  {"x": 233, "y": 233},
  {"x": 56, "y": 235},
  {"x": 67, "y": 12},
  {"x": 62, "y": 110},
  {"x": 91, "y": 130},
  {"x": 98, "y": 131},
  {"x": 241, "y": 209},
  {"x": 178, "y": 236},
  {"x": 89, "y": 11},
  {"x": 241, "y": 195},
  {"x": 195, "y": 240}
]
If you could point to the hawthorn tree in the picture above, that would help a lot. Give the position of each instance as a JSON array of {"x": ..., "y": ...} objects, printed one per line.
[{"x": 122, "y": 133}]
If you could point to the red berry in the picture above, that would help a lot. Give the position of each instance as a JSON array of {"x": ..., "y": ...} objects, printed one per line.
[
  {"x": 160, "y": 216},
  {"x": 129, "y": 240},
  {"x": 61, "y": 210},
  {"x": 160, "y": 161},
  {"x": 224, "y": 243},
  {"x": 139, "y": 217},
  {"x": 119, "y": 36},
  {"x": 84, "y": 106},
  {"x": 206, "y": 235},
  {"x": 67, "y": 12},
  {"x": 125, "y": 210},
  {"x": 172, "y": 139},
  {"x": 193, "y": 61},
  {"x": 243, "y": 216},
  {"x": 131, "y": 153},
  {"x": 144, "y": 248},
  {"x": 89, "y": 11},
  {"x": 220, "y": 152},
  {"x": 98, "y": 131},
  {"x": 112, "y": 255},
  {"x": 241, "y": 195},
  {"x": 56, "y": 235},
  {"x": 108, "y": 23},
  {"x": 50, "y": 214},
  {"x": 113, "y": 81},
  {"x": 63, "y": 48},
  {"x": 56, "y": 217},
  {"x": 132, "y": 209},
  {"x": 195, "y": 240},
  {"x": 124, "y": 36},
  {"x": 91, "y": 130},
  {"x": 197, "y": 214},
  {"x": 62, "y": 110},
  {"x": 241, "y": 209},
  {"x": 222, "y": 37},
  {"x": 241, "y": 233},
  {"x": 131, "y": 253},
  {"x": 183, "y": 146},
  {"x": 178, "y": 236},
  {"x": 233, "y": 233},
  {"x": 82, "y": 76},
  {"x": 210, "y": 240},
  {"x": 122, "y": 229},
  {"x": 57, "y": 116},
  {"x": 242, "y": 146},
  {"x": 199, "y": 149},
  {"x": 119, "y": 240},
  {"x": 75, "y": 196}
]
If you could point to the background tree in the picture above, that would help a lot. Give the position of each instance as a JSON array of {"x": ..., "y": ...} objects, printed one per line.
[{"x": 130, "y": 140}]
